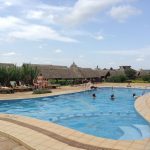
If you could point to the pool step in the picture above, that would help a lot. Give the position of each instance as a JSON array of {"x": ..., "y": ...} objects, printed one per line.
[
  {"x": 135, "y": 132},
  {"x": 144, "y": 129},
  {"x": 90, "y": 114},
  {"x": 130, "y": 133}
]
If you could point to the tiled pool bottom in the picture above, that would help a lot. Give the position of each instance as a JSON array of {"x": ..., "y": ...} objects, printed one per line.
[{"x": 100, "y": 116}]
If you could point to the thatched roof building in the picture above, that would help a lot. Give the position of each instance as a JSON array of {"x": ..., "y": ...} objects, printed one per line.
[
  {"x": 118, "y": 72},
  {"x": 79, "y": 72},
  {"x": 103, "y": 73},
  {"x": 6, "y": 65},
  {"x": 53, "y": 71},
  {"x": 75, "y": 72},
  {"x": 72, "y": 72},
  {"x": 143, "y": 73},
  {"x": 87, "y": 73}
]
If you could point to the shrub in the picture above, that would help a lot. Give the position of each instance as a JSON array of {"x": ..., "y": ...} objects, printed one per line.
[
  {"x": 130, "y": 74},
  {"x": 62, "y": 82},
  {"x": 118, "y": 78},
  {"x": 52, "y": 81},
  {"x": 41, "y": 91},
  {"x": 146, "y": 78}
]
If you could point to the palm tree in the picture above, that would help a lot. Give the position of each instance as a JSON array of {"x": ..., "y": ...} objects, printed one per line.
[
  {"x": 29, "y": 73},
  {"x": 25, "y": 73}
]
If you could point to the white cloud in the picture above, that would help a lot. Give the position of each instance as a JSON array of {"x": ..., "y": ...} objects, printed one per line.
[
  {"x": 19, "y": 29},
  {"x": 47, "y": 13},
  {"x": 39, "y": 32},
  {"x": 99, "y": 37},
  {"x": 10, "y": 22},
  {"x": 121, "y": 13},
  {"x": 41, "y": 15},
  {"x": 32, "y": 14},
  {"x": 9, "y": 3},
  {"x": 84, "y": 9},
  {"x": 58, "y": 51},
  {"x": 81, "y": 11},
  {"x": 8, "y": 54},
  {"x": 139, "y": 59},
  {"x": 40, "y": 47},
  {"x": 81, "y": 56}
]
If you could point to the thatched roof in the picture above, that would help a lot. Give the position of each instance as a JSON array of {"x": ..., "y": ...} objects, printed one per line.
[
  {"x": 63, "y": 72},
  {"x": 53, "y": 71},
  {"x": 75, "y": 71},
  {"x": 143, "y": 72},
  {"x": 124, "y": 67},
  {"x": 89, "y": 73},
  {"x": 103, "y": 73},
  {"x": 86, "y": 72},
  {"x": 116, "y": 72},
  {"x": 43, "y": 66},
  {"x": 111, "y": 72},
  {"x": 6, "y": 65}
]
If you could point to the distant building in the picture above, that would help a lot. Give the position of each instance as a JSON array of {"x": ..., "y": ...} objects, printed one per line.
[
  {"x": 72, "y": 72},
  {"x": 75, "y": 72},
  {"x": 143, "y": 73},
  {"x": 125, "y": 67},
  {"x": 117, "y": 72},
  {"x": 6, "y": 65}
]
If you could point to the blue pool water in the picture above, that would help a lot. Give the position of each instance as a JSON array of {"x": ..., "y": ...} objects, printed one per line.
[{"x": 101, "y": 116}]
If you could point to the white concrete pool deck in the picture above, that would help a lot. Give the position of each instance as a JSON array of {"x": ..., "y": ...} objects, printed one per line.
[{"x": 35, "y": 134}]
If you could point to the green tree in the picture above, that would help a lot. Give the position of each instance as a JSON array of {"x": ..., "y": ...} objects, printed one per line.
[
  {"x": 29, "y": 73},
  {"x": 25, "y": 73},
  {"x": 3, "y": 74},
  {"x": 146, "y": 78},
  {"x": 117, "y": 78},
  {"x": 130, "y": 74}
]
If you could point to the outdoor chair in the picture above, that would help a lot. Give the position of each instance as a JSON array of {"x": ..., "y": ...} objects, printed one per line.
[
  {"x": 20, "y": 88},
  {"x": 6, "y": 90},
  {"x": 13, "y": 84}
]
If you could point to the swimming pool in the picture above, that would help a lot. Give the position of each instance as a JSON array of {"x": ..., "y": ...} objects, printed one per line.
[{"x": 103, "y": 117}]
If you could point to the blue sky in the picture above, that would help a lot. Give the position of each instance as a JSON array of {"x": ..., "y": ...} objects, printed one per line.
[{"x": 90, "y": 32}]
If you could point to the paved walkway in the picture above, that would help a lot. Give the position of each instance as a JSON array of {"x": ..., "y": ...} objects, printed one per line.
[
  {"x": 142, "y": 105},
  {"x": 7, "y": 144}
]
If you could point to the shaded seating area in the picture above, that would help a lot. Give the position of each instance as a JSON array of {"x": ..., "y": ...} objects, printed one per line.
[
  {"x": 6, "y": 90},
  {"x": 14, "y": 88},
  {"x": 19, "y": 88},
  {"x": 53, "y": 86},
  {"x": 22, "y": 89}
]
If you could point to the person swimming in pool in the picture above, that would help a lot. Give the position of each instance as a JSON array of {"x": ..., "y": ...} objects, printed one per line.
[
  {"x": 94, "y": 95},
  {"x": 112, "y": 96},
  {"x": 134, "y": 94}
]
